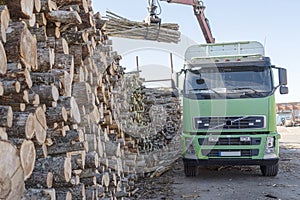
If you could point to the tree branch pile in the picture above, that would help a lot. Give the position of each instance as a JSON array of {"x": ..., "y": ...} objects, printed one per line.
[{"x": 118, "y": 26}]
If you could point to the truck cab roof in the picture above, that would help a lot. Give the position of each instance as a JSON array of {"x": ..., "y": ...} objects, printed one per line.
[{"x": 248, "y": 53}]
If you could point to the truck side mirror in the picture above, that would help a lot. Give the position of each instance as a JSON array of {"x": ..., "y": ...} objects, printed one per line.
[
  {"x": 282, "y": 76},
  {"x": 284, "y": 90}
]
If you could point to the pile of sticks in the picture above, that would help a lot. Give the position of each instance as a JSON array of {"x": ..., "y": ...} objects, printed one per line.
[{"x": 118, "y": 26}]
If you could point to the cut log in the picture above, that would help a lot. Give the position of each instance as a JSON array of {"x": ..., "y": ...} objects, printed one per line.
[
  {"x": 41, "y": 116},
  {"x": 22, "y": 8},
  {"x": 66, "y": 17},
  {"x": 27, "y": 156},
  {"x": 37, "y": 6},
  {"x": 71, "y": 106},
  {"x": 76, "y": 37},
  {"x": 78, "y": 192},
  {"x": 3, "y": 134},
  {"x": 58, "y": 130},
  {"x": 23, "y": 76},
  {"x": 77, "y": 159},
  {"x": 52, "y": 30},
  {"x": 40, "y": 33},
  {"x": 30, "y": 22},
  {"x": 40, "y": 19},
  {"x": 11, "y": 172},
  {"x": 40, "y": 179},
  {"x": 63, "y": 148},
  {"x": 34, "y": 99},
  {"x": 47, "y": 93},
  {"x": 21, "y": 45},
  {"x": 92, "y": 160},
  {"x": 57, "y": 114},
  {"x": 65, "y": 82},
  {"x": 66, "y": 62},
  {"x": 44, "y": 194},
  {"x": 70, "y": 2},
  {"x": 59, "y": 166},
  {"x": 105, "y": 179},
  {"x": 1, "y": 89},
  {"x": 4, "y": 21},
  {"x": 89, "y": 181},
  {"x": 59, "y": 45},
  {"x": 71, "y": 137},
  {"x": 74, "y": 7},
  {"x": 45, "y": 59},
  {"x": 66, "y": 185},
  {"x": 6, "y": 114},
  {"x": 63, "y": 194},
  {"x": 23, "y": 125},
  {"x": 48, "y": 6},
  {"x": 40, "y": 125},
  {"x": 87, "y": 20},
  {"x": 41, "y": 151},
  {"x": 44, "y": 79},
  {"x": 81, "y": 93},
  {"x": 3, "y": 60},
  {"x": 11, "y": 87}
]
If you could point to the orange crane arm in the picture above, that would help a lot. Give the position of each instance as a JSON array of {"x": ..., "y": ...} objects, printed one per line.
[{"x": 199, "y": 12}]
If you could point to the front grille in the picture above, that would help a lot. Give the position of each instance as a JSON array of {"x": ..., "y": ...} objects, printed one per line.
[
  {"x": 213, "y": 123},
  {"x": 229, "y": 141},
  {"x": 217, "y": 153}
]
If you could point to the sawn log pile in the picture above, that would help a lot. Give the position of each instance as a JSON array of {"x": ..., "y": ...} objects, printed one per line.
[{"x": 73, "y": 125}]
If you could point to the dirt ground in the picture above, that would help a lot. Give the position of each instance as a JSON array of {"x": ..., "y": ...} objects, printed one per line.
[{"x": 232, "y": 182}]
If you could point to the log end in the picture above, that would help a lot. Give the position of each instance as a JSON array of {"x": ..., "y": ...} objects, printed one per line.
[
  {"x": 11, "y": 173},
  {"x": 1, "y": 89},
  {"x": 27, "y": 156},
  {"x": 9, "y": 117},
  {"x": 68, "y": 169},
  {"x": 29, "y": 130},
  {"x": 64, "y": 113},
  {"x": 49, "y": 180},
  {"x": 3, "y": 60},
  {"x": 75, "y": 114}
]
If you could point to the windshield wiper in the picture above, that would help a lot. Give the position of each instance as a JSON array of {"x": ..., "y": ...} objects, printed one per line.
[
  {"x": 247, "y": 93},
  {"x": 206, "y": 89}
]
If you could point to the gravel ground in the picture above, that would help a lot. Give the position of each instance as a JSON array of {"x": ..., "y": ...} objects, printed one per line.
[{"x": 232, "y": 182}]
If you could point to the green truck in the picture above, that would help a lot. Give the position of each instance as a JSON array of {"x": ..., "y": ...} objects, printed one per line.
[{"x": 229, "y": 115}]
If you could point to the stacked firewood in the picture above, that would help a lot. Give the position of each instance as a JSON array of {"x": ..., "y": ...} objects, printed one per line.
[
  {"x": 151, "y": 119},
  {"x": 66, "y": 132}
]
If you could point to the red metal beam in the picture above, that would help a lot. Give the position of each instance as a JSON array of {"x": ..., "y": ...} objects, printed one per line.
[
  {"x": 199, "y": 12},
  {"x": 186, "y": 2}
]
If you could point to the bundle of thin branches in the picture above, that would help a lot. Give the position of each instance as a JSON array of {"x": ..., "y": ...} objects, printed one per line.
[{"x": 118, "y": 26}]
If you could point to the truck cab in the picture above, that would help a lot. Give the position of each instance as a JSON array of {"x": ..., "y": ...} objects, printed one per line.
[{"x": 229, "y": 110}]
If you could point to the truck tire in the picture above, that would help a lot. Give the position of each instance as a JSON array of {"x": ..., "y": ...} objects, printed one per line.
[
  {"x": 269, "y": 170},
  {"x": 190, "y": 170}
]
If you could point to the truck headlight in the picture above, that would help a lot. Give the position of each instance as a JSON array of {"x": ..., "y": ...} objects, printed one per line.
[
  {"x": 190, "y": 149},
  {"x": 270, "y": 142},
  {"x": 270, "y": 145}
]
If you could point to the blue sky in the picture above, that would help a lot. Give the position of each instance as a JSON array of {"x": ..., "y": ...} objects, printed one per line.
[{"x": 272, "y": 22}]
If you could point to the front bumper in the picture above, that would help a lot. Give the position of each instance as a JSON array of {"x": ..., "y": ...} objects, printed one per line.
[{"x": 231, "y": 161}]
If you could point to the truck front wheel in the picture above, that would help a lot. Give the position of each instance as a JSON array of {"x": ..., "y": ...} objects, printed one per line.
[
  {"x": 269, "y": 170},
  {"x": 190, "y": 169}
]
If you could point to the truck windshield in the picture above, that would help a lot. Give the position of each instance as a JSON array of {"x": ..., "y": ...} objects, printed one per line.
[{"x": 228, "y": 82}]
